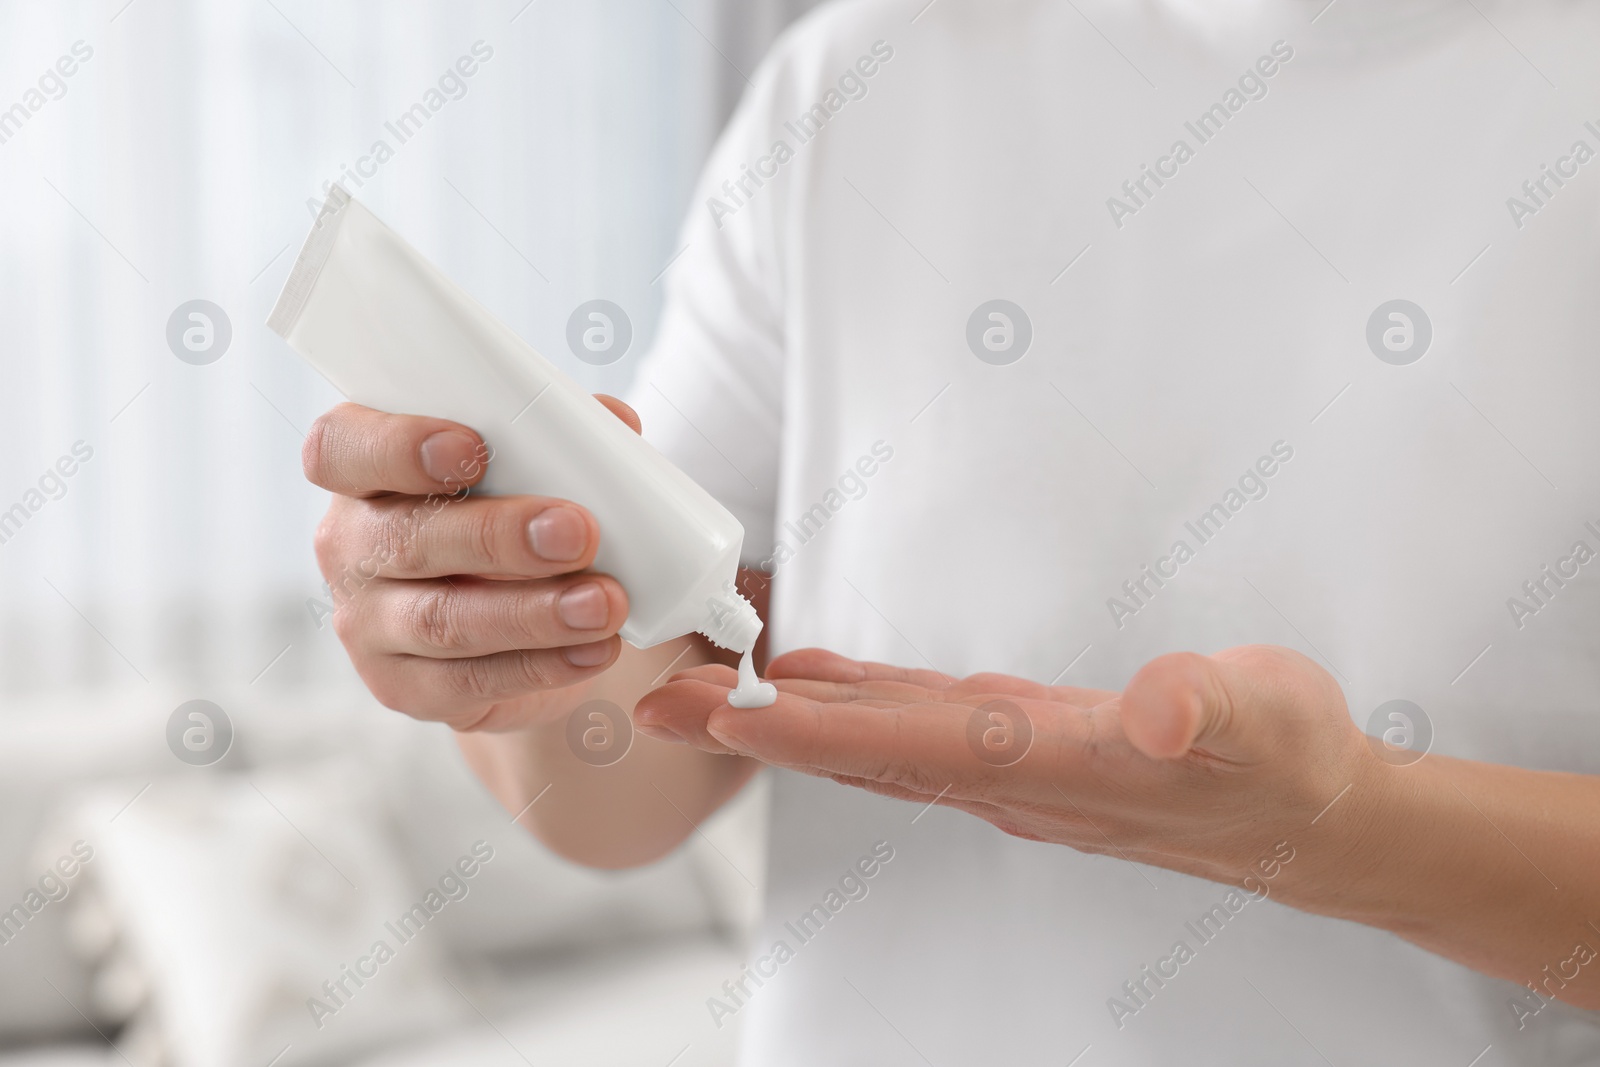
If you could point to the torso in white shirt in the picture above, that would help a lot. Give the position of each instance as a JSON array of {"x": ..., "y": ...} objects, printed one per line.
[{"x": 1212, "y": 327}]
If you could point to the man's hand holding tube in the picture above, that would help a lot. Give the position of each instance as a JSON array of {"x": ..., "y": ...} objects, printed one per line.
[{"x": 456, "y": 608}]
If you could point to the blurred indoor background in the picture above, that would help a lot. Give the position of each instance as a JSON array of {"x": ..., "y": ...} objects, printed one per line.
[{"x": 175, "y": 163}]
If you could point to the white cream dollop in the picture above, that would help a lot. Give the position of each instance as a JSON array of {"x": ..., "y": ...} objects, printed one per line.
[{"x": 752, "y": 692}]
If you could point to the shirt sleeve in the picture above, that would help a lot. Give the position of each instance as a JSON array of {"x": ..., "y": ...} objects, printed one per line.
[{"x": 709, "y": 392}]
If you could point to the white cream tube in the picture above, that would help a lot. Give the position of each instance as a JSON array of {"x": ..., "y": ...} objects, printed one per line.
[{"x": 393, "y": 333}]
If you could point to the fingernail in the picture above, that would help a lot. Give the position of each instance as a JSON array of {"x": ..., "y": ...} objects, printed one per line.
[
  {"x": 584, "y": 607},
  {"x": 448, "y": 456},
  {"x": 559, "y": 535},
  {"x": 591, "y": 655}
]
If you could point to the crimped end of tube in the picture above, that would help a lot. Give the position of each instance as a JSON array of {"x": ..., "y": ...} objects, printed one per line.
[{"x": 303, "y": 278}]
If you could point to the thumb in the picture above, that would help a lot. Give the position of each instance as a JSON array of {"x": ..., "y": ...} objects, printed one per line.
[{"x": 1181, "y": 701}]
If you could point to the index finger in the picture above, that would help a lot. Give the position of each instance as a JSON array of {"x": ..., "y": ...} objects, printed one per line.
[
  {"x": 818, "y": 664},
  {"x": 927, "y": 748},
  {"x": 828, "y": 676},
  {"x": 880, "y": 684},
  {"x": 356, "y": 451}
]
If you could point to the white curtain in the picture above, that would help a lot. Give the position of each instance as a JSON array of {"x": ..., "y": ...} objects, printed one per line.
[{"x": 175, "y": 163}]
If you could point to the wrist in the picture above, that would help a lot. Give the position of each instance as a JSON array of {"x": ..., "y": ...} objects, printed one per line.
[{"x": 1363, "y": 853}]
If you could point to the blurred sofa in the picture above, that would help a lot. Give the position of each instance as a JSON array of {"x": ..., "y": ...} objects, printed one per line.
[{"x": 182, "y": 916}]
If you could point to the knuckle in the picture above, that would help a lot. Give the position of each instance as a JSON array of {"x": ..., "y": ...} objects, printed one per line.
[
  {"x": 532, "y": 671},
  {"x": 478, "y": 537},
  {"x": 400, "y": 543},
  {"x": 487, "y": 530},
  {"x": 473, "y": 679},
  {"x": 339, "y": 542},
  {"x": 435, "y": 618},
  {"x": 492, "y": 677},
  {"x": 420, "y": 540},
  {"x": 477, "y": 679}
]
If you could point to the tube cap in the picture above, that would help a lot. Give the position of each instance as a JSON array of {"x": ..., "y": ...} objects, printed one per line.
[{"x": 731, "y": 622}]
